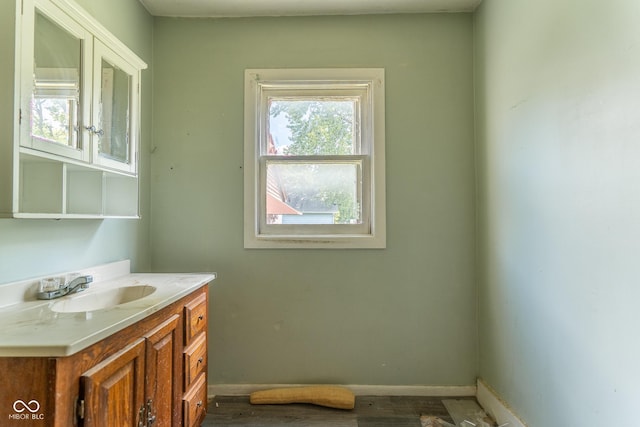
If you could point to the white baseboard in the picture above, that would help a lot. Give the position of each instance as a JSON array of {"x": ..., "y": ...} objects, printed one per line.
[
  {"x": 496, "y": 407},
  {"x": 358, "y": 390}
]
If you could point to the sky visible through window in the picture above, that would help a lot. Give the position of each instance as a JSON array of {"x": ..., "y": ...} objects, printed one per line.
[{"x": 280, "y": 132}]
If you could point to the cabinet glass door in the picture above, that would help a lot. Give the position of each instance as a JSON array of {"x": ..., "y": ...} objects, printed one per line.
[
  {"x": 115, "y": 110},
  {"x": 57, "y": 84}
]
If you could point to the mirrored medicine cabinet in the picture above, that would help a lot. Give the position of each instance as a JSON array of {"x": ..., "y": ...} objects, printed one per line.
[{"x": 75, "y": 151}]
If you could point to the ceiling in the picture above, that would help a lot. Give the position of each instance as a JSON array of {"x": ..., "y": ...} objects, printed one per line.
[{"x": 243, "y": 8}]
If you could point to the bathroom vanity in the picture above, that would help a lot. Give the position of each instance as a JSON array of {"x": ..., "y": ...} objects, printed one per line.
[{"x": 139, "y": 361}]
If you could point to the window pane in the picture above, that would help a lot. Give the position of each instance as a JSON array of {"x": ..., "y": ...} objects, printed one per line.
[
  {"x": 312, "y": 126},
  {"x": 313, "y": 193}
]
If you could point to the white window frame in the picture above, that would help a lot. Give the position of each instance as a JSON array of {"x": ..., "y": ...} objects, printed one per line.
[{"x": 365, "y": 83}]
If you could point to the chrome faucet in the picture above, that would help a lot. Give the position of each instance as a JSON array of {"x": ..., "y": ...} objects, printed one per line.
[{"x": 78, "y": 284}]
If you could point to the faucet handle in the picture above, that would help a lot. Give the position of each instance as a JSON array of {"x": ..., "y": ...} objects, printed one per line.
[
  {"x": 49, "y": 284},
  {"x": 87, "y": 279}
]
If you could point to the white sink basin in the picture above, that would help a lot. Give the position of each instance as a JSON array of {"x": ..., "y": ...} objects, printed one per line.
[{"x": 101, "y": 300}]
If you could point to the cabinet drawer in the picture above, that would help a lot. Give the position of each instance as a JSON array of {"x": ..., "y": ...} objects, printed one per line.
[
  {"x": 195, "y": 403},
  {"x": 195, "y": 360},
  {"x": 195, "y": 315}
]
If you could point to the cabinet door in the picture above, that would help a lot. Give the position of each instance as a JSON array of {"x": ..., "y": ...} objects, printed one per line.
[
  {"x": 114, "y": 389},
  {"x": 115, "y": 110},
  {"x": 56, "y": 81},
  {"x": 163, "y": 368}
]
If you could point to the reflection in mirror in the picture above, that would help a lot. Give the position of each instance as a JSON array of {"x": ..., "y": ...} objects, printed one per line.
[
  {"x": 114, "y": 113},
  {"x": 56, "y": 88}
]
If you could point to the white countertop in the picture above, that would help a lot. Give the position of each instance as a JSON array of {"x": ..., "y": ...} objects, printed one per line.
[{"x": 29, "y": 328}]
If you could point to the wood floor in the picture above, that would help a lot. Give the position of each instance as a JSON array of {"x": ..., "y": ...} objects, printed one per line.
[{"x": 370, "y": 411}]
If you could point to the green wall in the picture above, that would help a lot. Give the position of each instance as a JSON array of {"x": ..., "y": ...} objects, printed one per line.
[
  {"x": 31, "y": 248},
  {"x": 558, "y": 95},
  {"x": 399, "y": 316}
]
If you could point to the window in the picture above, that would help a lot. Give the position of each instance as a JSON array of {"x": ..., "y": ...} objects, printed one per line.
[{"x": 314, "y": 158}]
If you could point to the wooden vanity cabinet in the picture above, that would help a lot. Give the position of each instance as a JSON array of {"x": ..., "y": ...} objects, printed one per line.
[{"x": 150, "y": 374}]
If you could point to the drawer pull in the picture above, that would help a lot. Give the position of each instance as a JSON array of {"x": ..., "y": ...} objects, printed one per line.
[
  {"x": 201, "y": 317},
  {"x": 200, "y": 360},
  {"x": 199, "y": 404}
]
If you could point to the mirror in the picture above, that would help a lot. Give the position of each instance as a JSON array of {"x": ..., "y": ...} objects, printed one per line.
[
  {"x": 114, "y": 113},
  {"x": 56, "y": 89}
]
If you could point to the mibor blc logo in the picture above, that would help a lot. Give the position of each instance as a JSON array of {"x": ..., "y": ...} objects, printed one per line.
[{"x": 26, "y": 410}]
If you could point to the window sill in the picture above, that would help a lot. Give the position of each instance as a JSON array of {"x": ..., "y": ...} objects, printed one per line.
[{"x": 316, "y": 242}]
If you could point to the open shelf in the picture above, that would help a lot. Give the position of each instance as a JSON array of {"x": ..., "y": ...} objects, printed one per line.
[
  {"x": 50, "y": 188},
  {"x": 41, "y": 186}
]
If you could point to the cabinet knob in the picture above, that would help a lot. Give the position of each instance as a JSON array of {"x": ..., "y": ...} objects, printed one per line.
[
  {"x": 199, "y": 404},
  {"x": 201, "y": 317},
  {"x": 200, "y": 360}
]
